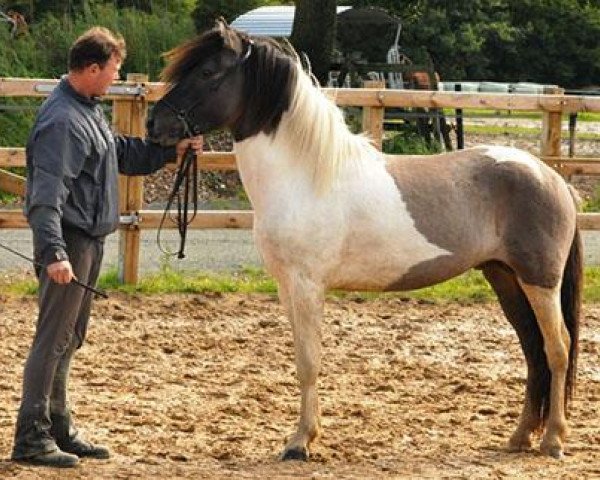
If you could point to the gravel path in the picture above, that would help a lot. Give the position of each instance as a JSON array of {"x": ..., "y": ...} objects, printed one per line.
[{"x": 214, "y": 250}]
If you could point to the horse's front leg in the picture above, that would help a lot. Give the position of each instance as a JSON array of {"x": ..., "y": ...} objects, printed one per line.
[{"x": 304, "y": 301}]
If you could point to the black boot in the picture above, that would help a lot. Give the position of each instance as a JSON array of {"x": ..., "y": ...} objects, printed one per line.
[
  {"x": 68, "y": 439},
  {"x": 35, "y": 446}
]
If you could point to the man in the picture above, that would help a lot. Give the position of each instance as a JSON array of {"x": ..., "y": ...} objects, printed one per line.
[{"x": 73, "y": 159}]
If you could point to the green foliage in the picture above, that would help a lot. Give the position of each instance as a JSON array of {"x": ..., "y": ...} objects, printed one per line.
[
  {"x": 408, "y": 142},
  {"x": 545, "y": 41},
  {"x": 43, "y": 53},
  {"x": 593, "y": 203}
]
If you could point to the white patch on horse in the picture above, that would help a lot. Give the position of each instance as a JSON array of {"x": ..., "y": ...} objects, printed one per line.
[{"x": 511, "y": 154}]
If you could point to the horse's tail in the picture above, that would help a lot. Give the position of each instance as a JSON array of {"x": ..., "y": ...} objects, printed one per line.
[
  {"x": 529, "y": 333},
  {"x": 570, "y": 298}
]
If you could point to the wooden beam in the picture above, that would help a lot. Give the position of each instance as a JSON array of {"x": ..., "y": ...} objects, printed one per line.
[
  {"x": 436, "y": 99},
  {"x": 213, "y": 161},
  {"x": 153, "y": 91},
  {"x": 12, "y": 183},
  {"x": 12, "y": 157},
  {"x": 372, "y": 117},
  {"x": 150, "y": 219},
  {"x": 12, "y": 219},
  {"x": 588, "y": 221}
]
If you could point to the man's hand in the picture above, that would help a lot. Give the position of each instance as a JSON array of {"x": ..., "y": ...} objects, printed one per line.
[
  {"x": 60, "y": 272},
  {"x": 195, "y": 142}
]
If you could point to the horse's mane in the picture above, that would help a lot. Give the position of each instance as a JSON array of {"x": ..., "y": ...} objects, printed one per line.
[
  {"x": 315, "y": 130},
  {"x": 276, "y": 83},
  {"x": 318, "y": 132}
]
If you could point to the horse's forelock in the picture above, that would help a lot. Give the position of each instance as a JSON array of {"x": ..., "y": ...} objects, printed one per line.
[{"x": 182, "y": 59}]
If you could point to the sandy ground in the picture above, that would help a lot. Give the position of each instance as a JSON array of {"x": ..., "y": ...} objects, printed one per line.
[{"x": 203, "y": 386}]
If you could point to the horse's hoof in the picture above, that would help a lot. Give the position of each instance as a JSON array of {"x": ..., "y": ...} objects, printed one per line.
[
  {"x": 554, "y": 451},
  {"x": 519, "y": 444},
  {"x": 295, "y": 454}
]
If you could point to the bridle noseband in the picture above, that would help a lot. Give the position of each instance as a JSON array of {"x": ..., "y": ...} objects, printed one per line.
[{"x": 187, "y": 173}]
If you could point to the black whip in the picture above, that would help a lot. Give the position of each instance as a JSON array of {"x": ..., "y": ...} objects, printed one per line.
[
  {"x": 187, "y": 175},
  {"x": 73, "y": 280}
]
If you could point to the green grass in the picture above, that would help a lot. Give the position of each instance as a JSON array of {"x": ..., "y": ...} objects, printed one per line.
[
  {"x": 522, "y": 114},
  {"x": 467, "y": 288},
  {"x": 168, "y": 280},
  {"x": 525, "y": 131}
]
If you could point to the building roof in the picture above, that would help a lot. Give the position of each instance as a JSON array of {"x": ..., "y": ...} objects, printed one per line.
[{"x": 271, "y": 21}]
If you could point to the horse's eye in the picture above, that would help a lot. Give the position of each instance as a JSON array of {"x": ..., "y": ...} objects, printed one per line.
[{"x": 207, "y": 73}]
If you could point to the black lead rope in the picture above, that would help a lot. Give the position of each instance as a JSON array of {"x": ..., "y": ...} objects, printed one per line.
[{"x": 187, "y": 175}]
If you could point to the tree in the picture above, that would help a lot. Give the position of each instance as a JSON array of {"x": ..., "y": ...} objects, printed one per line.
[
  {"x": 545, "y": 41},
  {"x": 557, "y": 42},
  {"x": 313, "y": 33}
]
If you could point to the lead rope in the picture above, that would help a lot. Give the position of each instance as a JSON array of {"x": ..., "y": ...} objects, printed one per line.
[{"x": 187, "y": 174}]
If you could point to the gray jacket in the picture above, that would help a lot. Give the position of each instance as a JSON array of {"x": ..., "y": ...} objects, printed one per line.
[{"x": 73, "y": 161}]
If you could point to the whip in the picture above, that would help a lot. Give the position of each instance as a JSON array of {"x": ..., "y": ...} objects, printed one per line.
[{"x": 73, "y": 280}]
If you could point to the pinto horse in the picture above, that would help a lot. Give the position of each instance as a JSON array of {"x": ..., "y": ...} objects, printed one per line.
[{"x": 332, "y": 212}]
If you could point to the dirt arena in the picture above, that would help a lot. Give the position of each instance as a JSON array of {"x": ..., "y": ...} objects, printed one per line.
[{"x": 203, "y": 386}]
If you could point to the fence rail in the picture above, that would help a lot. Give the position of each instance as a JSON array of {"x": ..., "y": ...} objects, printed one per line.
[{"x": 130, "y": 106}]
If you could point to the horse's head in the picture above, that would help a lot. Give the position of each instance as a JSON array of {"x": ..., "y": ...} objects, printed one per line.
[{"x": 222, "y": 78}]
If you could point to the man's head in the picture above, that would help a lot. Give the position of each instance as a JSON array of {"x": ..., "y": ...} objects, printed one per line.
[{"x": 95, "y": 59}]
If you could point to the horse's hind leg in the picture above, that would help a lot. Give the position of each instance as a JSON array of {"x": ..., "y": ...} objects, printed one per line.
[
  {"x": 304, "y": 301},
  {"x": 518, "y": 311},
  {"x": 547, "y": 307}
]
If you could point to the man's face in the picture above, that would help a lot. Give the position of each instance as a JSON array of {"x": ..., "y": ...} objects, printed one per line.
[{"x": 103, "y": 78}]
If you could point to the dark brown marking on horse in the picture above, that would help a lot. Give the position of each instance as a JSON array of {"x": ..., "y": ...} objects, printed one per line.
[{"x": 480, "y": 191}]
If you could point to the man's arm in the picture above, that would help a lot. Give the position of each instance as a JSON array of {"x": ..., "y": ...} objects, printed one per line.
[{"x": 137, "y": 156}]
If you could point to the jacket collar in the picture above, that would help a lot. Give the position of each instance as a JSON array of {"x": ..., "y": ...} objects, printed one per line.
[{"x": 67, "y": 88}]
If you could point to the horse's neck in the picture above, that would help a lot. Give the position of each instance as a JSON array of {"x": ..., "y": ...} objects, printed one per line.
[{"x": 266, "y": 166}]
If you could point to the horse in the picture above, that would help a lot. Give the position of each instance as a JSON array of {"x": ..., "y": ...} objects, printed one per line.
[{"x": 333, "y": 212}]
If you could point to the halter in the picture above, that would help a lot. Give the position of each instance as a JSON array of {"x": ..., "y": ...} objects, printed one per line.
[{"x": 183, "y": 220}]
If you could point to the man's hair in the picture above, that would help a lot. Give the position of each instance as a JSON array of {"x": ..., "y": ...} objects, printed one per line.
[{"x": 96, "y": 45}]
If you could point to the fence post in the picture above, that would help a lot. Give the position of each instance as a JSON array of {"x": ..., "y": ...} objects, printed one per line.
[
  {"x": 551, "y": 128},
  {"x": 372, "y": 117},
  {"x": 129, "y": 118}
]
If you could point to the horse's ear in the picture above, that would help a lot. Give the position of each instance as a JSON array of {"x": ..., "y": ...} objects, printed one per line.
[
  {"x": 221, "y": 25},
  {"x": 227, "y": 34}
]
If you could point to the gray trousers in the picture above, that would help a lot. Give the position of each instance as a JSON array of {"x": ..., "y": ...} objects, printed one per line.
[{"x": 64, "y": 312}]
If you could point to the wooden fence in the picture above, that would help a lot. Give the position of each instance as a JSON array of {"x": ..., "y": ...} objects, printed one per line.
[{"x": 130, "y": 107}]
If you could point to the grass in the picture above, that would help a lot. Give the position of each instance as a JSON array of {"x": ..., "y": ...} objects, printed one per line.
[
  {"x": 524, "y": 131},
  {"x": 470, "y": 287},
  {"x": 523, "y": 114}
]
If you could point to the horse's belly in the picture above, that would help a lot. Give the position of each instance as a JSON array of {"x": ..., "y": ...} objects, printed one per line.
[{"x": 384, "y": 271}]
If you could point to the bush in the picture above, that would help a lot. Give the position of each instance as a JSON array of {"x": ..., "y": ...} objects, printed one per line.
[{"x": 408, "y": 142}]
